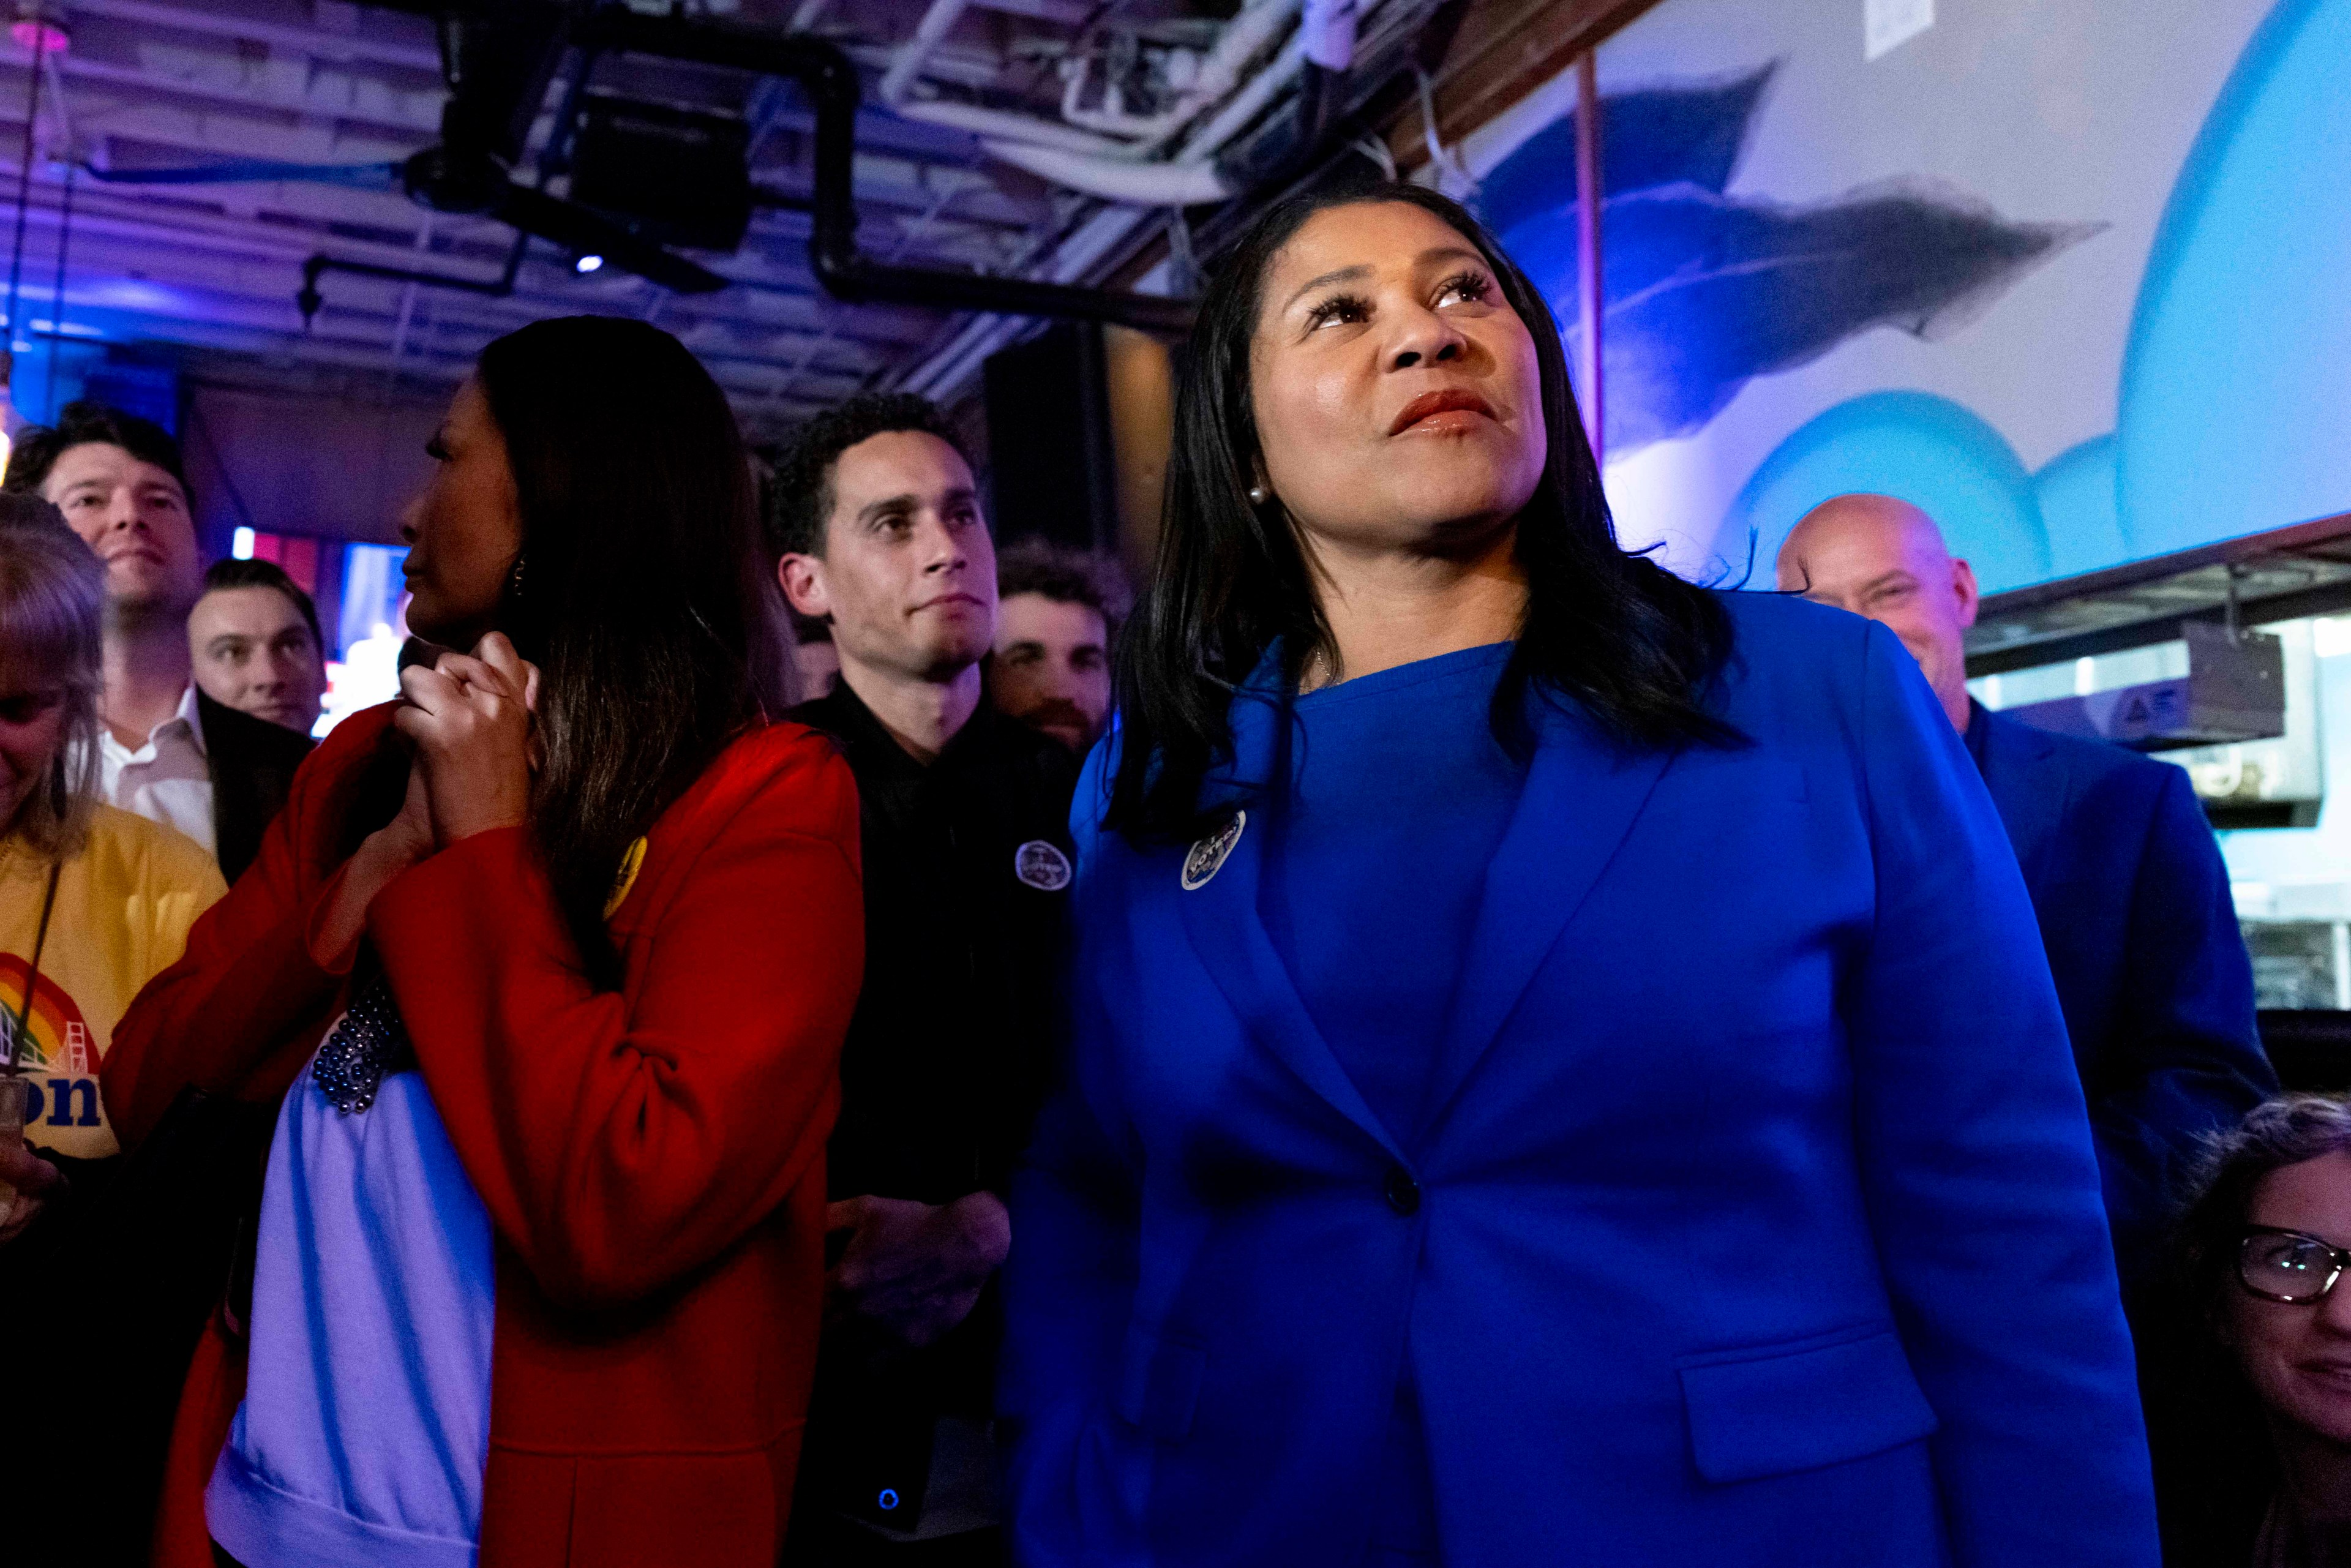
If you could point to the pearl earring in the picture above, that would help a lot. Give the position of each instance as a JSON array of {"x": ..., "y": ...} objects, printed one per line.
[{"x": 1259, "y": 495}]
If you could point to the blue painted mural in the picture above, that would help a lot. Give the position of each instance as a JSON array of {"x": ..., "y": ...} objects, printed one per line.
[
  {"x": 1703, "y": 289},
  {"x": 2236, "y": 388},
  {"x": 2233, "y": 407}
]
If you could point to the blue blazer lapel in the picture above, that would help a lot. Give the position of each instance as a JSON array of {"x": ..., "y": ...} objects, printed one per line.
[
  {"x": 1581, "y": 798},
  {"x": 2029, "y": 785},
  {"x": 1222, "y": 920}
]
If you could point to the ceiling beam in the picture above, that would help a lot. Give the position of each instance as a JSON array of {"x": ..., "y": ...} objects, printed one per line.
[
  {"x": 133, "y": 242},
  {"x": 179, "y": 215},
  {"x": 213, "y": 267},
  {"x": 436, "y": 350},
  {"x": 150, "y": 109},
  {"x": 111, "y": 259},
  {"x": 84, "y": 73},
  {"x": 383, "y": 38}
]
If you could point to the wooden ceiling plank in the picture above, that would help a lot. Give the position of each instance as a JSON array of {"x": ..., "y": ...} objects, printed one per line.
[{"x": 1504, "y": 50}]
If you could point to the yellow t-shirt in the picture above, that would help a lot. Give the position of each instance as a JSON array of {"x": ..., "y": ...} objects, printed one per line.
[{"x": 124, "y": 906}]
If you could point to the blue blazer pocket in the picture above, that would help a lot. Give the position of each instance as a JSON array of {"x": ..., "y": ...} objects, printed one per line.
[
  {"x": 1784, "y": 1409},
  {"x": 1159, "y": 1385}
]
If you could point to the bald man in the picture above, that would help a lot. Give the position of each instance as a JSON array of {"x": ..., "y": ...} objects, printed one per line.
[{"x": 2125, "y": 877}]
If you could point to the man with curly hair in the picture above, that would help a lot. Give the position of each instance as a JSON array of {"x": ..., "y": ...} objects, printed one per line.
[{"x": 1057, "y": 613}]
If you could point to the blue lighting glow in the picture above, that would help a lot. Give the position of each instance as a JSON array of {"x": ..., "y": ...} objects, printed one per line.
[
  {"x": 588, "y": 263},
  {"x": 240, "y": 544}
]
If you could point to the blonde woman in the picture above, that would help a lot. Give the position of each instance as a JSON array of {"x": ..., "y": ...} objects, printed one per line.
[{"x": 93, "y": 903}]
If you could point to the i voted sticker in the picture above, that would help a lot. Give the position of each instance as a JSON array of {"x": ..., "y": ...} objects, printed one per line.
[
  {"x": 1041, "y": 866},
  {"x": 1207, "y": 857}
]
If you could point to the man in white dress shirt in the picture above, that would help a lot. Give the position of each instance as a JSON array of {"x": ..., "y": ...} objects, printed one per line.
[{"x": 118, "y": 479}]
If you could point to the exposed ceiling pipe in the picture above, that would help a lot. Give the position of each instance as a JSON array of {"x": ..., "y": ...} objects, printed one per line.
[
  {"x": 957, "y": 359},
  {"x": 907, "y": 64},
  {"x": 791, "y": 377},
  {"x": 905, "y": 68},
  {"x": 1062, "y": 13},
  {"x": 1243, "y": 39},
  {"x": 1136, "y": 184},
  {"x": 310, "y": 300},
  {"x": 408, "y": 292},
  {"x": 1081, "y": 131},
  {"x": 1249, "y": 103},
  {"x": 1412, "y": 37},
  {"x": 1317, "y": 57},
  {"x": 1079, "y": 249},
  {"x": 828, "y": 78},
  {"x": 1006, "y": 126}
]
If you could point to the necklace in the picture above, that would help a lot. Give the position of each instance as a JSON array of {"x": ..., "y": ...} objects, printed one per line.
[{"x": 368, "y": 1040}]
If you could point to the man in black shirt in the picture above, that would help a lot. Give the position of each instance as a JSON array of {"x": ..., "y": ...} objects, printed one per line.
[{"x": 876, "y": 524}]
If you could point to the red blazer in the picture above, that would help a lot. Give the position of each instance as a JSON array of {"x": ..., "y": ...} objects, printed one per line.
[{"x": 652, "y": 1160}]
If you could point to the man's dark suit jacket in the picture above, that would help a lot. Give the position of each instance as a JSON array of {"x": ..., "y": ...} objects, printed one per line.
[
  {"x": 2133, "y": 902},
  {"x": 252, "y": 763}
]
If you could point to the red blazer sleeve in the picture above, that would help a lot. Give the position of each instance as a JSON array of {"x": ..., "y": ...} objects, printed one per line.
[
  {"x": 619, "y": 1140},
  {"x": 242, "y": 1010}
]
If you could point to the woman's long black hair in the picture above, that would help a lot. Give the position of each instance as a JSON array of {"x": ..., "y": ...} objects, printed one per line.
[
  {"x": 1631, "y": 643},
  {"x": 640, "y": 592}
]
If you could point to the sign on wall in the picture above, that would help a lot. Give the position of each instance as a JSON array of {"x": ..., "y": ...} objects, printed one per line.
[{"x": 2068, "y": 276}]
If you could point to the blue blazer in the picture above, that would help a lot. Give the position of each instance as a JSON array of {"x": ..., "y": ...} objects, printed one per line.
[
  {"x": 1755, "y": 1219},
  {"x": 2133, "y": 906}
]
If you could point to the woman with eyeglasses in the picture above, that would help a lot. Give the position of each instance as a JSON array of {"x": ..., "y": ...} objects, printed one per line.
[{"x": 2265, "y": 1244}]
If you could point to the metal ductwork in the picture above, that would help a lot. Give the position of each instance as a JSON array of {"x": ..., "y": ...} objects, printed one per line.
[
  {"x": 826, "y": 75},
  {"x": 828, "y": 78},
  {"x": 1318, "y": 57}
]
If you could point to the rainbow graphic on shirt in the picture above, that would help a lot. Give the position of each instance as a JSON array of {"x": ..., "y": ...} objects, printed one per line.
[{"x": 59, "y": 1058}]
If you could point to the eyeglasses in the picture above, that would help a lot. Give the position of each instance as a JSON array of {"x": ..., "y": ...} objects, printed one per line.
[{"x": 2288, "y": 1266}]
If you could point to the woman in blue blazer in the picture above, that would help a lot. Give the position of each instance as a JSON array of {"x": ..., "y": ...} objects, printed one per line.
[{"x": 1564, "y": 1068}]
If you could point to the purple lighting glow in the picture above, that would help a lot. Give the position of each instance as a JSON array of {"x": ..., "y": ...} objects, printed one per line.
[{"x": 35, "y": 35}]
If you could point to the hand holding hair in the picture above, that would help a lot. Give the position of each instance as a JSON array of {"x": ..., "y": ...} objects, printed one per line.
[
  {"x": 470, "y": 719},
  {"x": 470, "y": 715}
]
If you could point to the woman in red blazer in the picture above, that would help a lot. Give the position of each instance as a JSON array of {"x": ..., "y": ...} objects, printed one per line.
[{"x": 549, "y": 964}]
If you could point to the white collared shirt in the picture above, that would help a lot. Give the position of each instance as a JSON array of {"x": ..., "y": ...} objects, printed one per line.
[{"x": 167, "y": 780}]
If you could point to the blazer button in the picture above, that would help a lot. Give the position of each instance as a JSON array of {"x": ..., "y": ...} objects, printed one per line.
[{"x": 1402, "y": 1192}]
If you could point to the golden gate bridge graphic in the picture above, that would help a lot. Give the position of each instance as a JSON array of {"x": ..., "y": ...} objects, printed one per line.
[{"x": 73, "y": 1054}]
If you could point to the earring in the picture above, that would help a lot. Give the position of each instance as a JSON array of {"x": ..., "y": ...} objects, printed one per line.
[
  {"x": 514, "y": 579},
  {"x": 1259, "y": 495}
]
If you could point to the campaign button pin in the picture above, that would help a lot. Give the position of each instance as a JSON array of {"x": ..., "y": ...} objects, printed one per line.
[
  {"x": 1041, "y": 866},
  {"x": 633, "y": 860},
  {"x": 1208, "y": 856}
]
